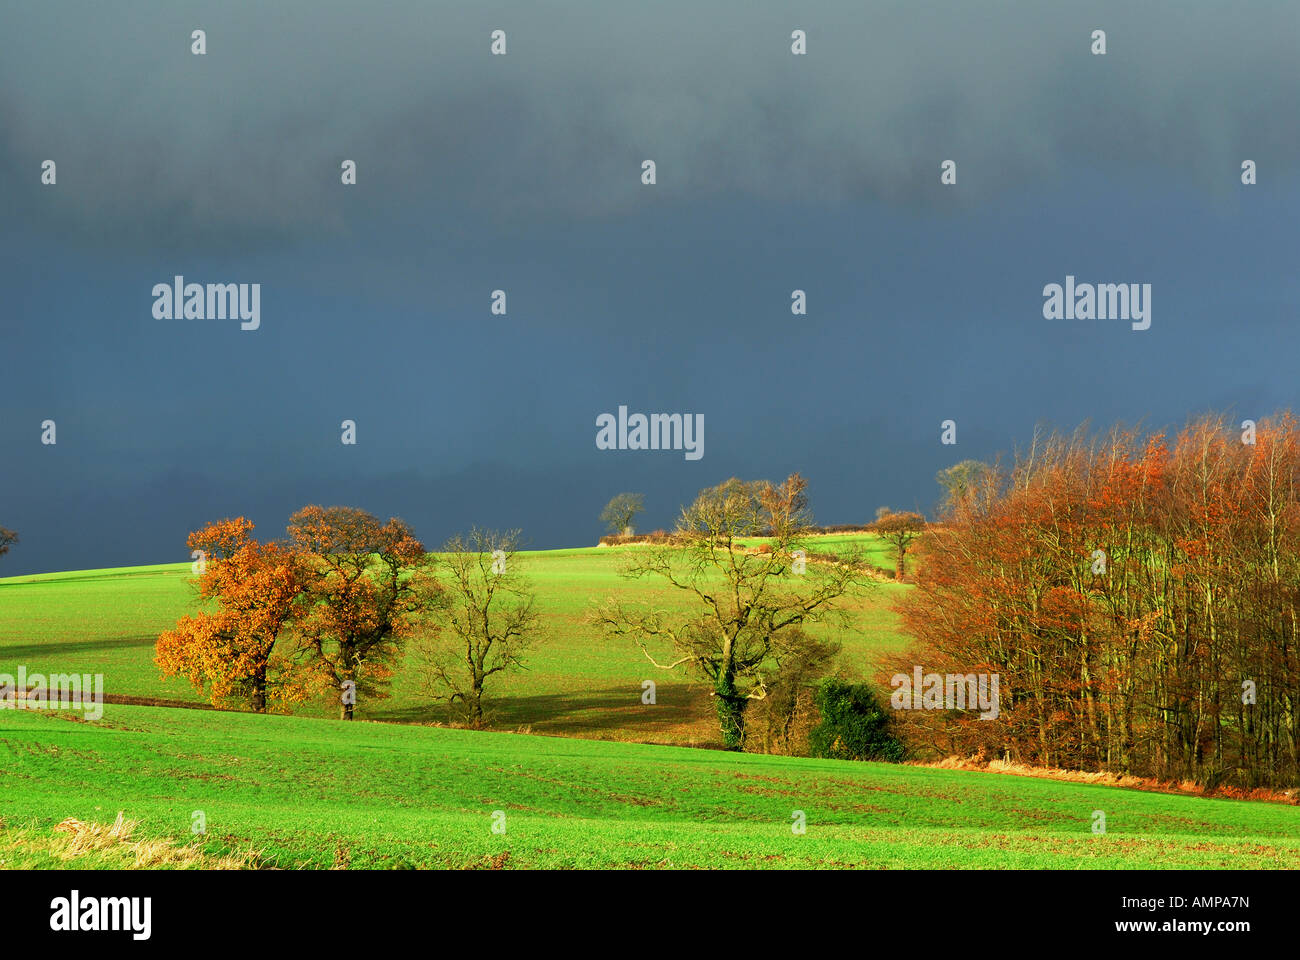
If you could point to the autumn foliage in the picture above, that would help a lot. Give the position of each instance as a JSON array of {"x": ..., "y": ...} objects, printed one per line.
[
  {"x": 1139, "y": 597},
  {"x": 327, "y": 610},
  {"x": 231, "y": 652},
  {"x": 370, "y": 586}
]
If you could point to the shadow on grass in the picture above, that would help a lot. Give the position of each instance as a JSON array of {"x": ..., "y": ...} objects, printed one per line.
[
  {"x": 48, "y": 648},
  {"x": 682, "y": 712}
]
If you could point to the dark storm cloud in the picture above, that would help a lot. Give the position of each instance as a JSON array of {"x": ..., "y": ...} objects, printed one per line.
[
  {"x": 241, "y": 147},
  {"x": 476, "y": 172}
]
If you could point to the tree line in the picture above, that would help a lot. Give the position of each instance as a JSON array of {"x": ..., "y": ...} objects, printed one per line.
[
  {"x": 1139, "y": 596},
  {"x": 334, "y": 607}
]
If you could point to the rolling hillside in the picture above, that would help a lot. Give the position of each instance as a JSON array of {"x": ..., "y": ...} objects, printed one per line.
[
  {"x": 310, "y": 791},
  {"x": 302, "y": 792},
  {"x": 577, "y": 683}
]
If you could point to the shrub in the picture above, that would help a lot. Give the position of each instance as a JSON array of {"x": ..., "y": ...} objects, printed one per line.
[
  {"x": 619, "y": 539},
  {"x": 854, "y": 726}
]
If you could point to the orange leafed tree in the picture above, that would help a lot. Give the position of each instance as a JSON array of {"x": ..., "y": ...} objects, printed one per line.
[
  {"x": 369, "y": 588},
  {"x": 231, "y": 653},
  {"x": 1140, "y": 600}
]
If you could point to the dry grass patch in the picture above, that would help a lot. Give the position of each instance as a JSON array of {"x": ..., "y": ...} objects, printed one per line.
[
  {"x": 75, "y": 839},
  {"x": 1185, "y": 787}
]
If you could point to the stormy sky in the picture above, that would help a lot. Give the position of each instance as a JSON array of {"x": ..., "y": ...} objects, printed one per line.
[{"x": 522, "y": 172}]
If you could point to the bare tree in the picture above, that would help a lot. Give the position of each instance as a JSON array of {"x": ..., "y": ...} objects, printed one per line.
[
  {"x": 960, "y": 481},
  {"x": 490, "y": 617},
  {"x": 621, "y": 511},
  {"x": 747, "y": 609}
]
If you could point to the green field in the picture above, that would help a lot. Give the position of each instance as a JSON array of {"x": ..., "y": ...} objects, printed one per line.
[
  {"x": 319, "y": 793},
  {"x": 577, "y": 683},
  {"x": 311, "y": 791}
]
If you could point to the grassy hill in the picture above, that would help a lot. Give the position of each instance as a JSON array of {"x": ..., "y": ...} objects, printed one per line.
[
  {"x": 303, "y": 792},
  {"x": 577, "y": 683}
]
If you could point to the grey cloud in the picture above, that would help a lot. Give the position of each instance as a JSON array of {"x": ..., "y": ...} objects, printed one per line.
[{"x": 241, "y": 148}]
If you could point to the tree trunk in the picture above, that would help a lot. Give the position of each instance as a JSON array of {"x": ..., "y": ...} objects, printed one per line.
[
  {"x": 731, "y": 712},
  {"x": 348, "y": 697},
  {"x": 259, "y": 691},
  {"x": 348, "y": 660},
  {"x": 476, "y": 704}
]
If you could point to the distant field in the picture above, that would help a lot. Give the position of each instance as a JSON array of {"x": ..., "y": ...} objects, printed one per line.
[
  {"x": 577, "y": 684},
  {"x": 876, "y": 550},
  {"x": 319, "y": 793}
]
